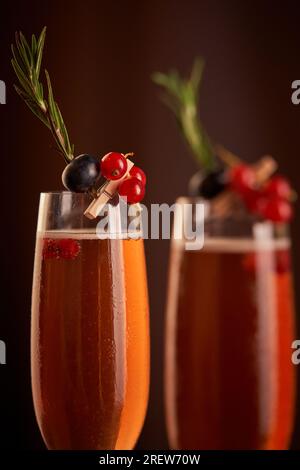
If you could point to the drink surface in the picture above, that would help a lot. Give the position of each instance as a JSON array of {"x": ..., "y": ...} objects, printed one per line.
[
  {"x": 90, "y": 340},
  {"x": 229, "y": 379}
]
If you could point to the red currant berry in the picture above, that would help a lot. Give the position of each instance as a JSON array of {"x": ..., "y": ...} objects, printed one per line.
[
  {"x": 69, "y": 248},
  {"x": 138, "y": 173},
  {"x": 50, "y": 249},
  {"x": 60, "y": 249},
  {"x": 113, "y": 166},
  {"x": 133, "y": 189},
  {"x": 242, "y": 178},
  {"x": 278, "y": 187},
  {"x": 277, "y": 210},
  {"x": 255, "y": 201}
]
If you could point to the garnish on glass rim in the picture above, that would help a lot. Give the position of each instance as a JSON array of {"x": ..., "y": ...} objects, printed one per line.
[
  {"x": 181, "y": 96},
  {"x": 224, "y": 176},
  {"x": 84, "y": 172},
  {"x": 107, "y": 191}
]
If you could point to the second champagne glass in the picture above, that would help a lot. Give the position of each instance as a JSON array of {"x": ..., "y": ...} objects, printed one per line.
[{"x": 229, "y": 378}]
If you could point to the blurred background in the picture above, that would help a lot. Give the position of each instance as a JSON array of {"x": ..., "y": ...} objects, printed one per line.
[{"x": 100, "y": 56}]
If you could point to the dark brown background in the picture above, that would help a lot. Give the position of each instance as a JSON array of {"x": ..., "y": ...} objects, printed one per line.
[{"x": 100, "y": 55}]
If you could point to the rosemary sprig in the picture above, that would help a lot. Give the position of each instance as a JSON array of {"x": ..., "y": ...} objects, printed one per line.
[
  {"x": 26, "y": 61},
  {"x": 181, "y": 96}
]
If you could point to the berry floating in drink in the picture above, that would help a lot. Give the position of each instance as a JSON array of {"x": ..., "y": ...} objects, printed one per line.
[{"x": 60, "y": 248}]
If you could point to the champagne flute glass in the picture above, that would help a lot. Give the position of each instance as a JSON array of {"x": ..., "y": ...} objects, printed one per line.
[
  {"x": 89, "y": 332},
  {"x": 229, "y": 378}
]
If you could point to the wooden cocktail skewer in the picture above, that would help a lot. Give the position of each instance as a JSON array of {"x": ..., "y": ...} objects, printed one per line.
[
  {"x": 106, "y": 192},
  {"x": 228, "y": 202},
  {"x": 263, "y": 169}
]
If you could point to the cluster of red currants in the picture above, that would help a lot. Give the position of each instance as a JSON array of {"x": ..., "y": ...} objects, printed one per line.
[
  {"x": 60, "y": 248},
  {"x": 84, "y": 173},
  {"x": 270, "y": 201},
  {"x": 114, "y": 167}
]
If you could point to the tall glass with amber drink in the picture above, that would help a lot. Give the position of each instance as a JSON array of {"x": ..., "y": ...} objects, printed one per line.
[
  {"x": 229, "y": 378},
  {"x": 90, "y": 330}
]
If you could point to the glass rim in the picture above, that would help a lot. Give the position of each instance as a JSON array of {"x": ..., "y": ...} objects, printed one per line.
[
  {"x": 65, "y": 211},
  {"x": 208, "y": 213},
  {"x": 64, "y": 191}
]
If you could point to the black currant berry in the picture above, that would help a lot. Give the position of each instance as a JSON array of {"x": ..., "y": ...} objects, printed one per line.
[
  {"x": 81, "y": 173},
  {"x": 208, "y": 186}
]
